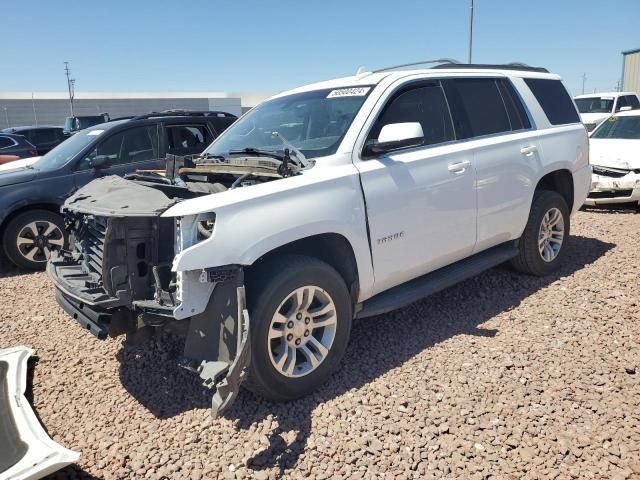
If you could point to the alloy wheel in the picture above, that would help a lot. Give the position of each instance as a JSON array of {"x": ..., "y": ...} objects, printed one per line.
[
  {"x": 38, "y": 239},
  {"x": 302, "y": 331},
  {"x": 551, "y": 234}
]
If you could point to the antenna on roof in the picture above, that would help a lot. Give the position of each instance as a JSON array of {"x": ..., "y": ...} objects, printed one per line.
[
  {"x": 423, "y": 62},
  {"x": 361, "y": 70}
]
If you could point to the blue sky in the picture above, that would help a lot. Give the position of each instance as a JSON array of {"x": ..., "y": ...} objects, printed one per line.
[{"x": 265, "y": 46}]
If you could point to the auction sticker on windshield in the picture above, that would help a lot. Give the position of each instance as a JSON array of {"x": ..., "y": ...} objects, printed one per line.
[{"x": 349, "y": 92}]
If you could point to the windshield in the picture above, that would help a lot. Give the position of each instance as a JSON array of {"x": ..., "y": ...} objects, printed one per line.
[
  {"x": 314, "y": 122},
  {"x": 619, "y": 127},
  {"x": 67, "y": 150},
  {"x": 594, "y": 105}
]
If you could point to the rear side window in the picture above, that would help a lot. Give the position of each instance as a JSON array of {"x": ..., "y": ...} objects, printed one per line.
[
  {"x": 187, "y": 139},
  {"x": 477, "y": 107},
  {"x": 633, "y": 101},
  {"x": 425, "y": 104},
  {"x": 44, "y": 135},
  {"x": 6, "y": 142},
  {"x": 554, "y": 100}
]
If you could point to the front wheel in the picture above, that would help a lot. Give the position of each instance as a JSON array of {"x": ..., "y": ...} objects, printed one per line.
[
  {"x": 31, "y": 236},
  {"x": 300, "y": 325},
  {"x": 543, "y": 242}
]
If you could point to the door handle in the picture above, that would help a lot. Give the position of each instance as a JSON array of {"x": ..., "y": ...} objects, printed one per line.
[
  {"x": 459, "y": 167},
  {"x": 529, "y": 150}
]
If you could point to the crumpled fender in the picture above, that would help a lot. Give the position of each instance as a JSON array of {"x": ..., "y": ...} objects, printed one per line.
[{"x": 26, "y": 451}]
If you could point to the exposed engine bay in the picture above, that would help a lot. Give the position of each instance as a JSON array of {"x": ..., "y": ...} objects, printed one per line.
[{"x": 116, "y": 278}]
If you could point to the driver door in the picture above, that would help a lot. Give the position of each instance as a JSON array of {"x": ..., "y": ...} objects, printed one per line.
[
  {"x": 420, "y": 201},
  {"x": 126, "y": 151}
]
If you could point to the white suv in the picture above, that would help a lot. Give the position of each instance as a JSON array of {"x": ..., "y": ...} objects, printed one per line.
[
  {"x": 595, "y": 108},
  {"x": 339, "y": 200}
]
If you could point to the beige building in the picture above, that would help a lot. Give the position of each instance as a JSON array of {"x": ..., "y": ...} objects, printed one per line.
[{"x": 631, "y": 71}]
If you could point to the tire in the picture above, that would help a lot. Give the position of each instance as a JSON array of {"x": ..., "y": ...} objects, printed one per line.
[
  {"x": 530, "y": 259},
  {"x": 273, "y": 287},
  {"x": 42, "y": 229}
]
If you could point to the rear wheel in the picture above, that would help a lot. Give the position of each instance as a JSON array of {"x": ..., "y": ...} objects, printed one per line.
[
  {"x": 30, "y": 238},
  {"x": 542, "y": 244},
  {"x": 300, "y": 325}
]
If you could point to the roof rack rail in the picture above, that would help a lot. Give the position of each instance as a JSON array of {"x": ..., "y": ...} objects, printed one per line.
[
  {"x": 184, "y": 113},
  {"x": 447, "y": 61},
  {"x": 504, "y": 66}
]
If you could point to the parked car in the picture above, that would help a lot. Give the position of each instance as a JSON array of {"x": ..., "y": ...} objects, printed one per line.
[
  {"x": 595, "y": 108},
  {"x": 31, "y": 194},
  {"x": 614, "y": 153},
  {"x": 339, "y": 200},
  {"x": 44, "y": 138},
  {"x": 14, "y": 147},
  {"x": 77, "y": 123}
]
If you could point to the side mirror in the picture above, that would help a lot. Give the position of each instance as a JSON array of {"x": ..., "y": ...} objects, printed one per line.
[
  {"x": 625, "y": 109},
  {"x": 394, "y": 136},
  {"x": 99, "y": 161}
]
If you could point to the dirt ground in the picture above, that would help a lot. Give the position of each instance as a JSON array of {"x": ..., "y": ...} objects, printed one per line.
[{"x": 503, "y": 376}]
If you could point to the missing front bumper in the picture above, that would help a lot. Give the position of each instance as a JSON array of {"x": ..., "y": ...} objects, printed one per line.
[{"x": 26, "y": 451}]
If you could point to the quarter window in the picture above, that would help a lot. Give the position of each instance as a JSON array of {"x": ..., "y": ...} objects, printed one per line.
[
  {"x": 554, "y": 100},
  {"x": 425, "y": 104},
  {"x": 633, "y": 101}
]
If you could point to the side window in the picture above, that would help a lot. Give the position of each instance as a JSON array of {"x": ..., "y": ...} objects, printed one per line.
[
  {"x": 477, "y": 107},
  {"x": 622, "y": 102},
  {"x": 634, "y": 102},
  {"x": 137, "y": 144},
  {"x": 425, "y": 104},
  {"x": 554, "y": 100},
  {"x": 6, "y": 142},
  {"x": 518, "y": 117},
  {"x": 44, "y": 135},
  {"x": 187, "y": 139}
]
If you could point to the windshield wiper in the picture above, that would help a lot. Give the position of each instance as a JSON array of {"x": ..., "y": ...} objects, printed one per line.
[
  {"x": 211, "y": 155},
  {"x": 302, "y": 160},
  {"x": 256, "y": 151}
]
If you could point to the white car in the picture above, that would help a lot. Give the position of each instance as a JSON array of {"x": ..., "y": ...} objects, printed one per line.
[
  {"x": 614, "y": 154},
  {"x": 338, "y": 200},
  {"x": 597, "y": 107}
]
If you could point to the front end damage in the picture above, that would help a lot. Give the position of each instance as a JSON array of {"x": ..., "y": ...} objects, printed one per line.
[
  {"x": 613, "y": 185},
  {"x": 118, "y": 277},
  {"x": 26, "y": 451}
]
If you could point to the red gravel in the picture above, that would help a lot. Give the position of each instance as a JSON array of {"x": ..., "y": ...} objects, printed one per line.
[{"x": 502, "y": 376}]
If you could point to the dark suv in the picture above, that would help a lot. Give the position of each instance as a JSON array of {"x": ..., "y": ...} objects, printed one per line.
[
  {"x": 31, "y": 194},
  {"x": 44, "y": 138}
]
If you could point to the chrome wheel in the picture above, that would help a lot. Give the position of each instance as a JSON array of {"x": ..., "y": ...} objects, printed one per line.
[
  {"x": 36, "y": 240},
  {"x": 302, "y": 331},
  {"x": 551, "y": 234}
]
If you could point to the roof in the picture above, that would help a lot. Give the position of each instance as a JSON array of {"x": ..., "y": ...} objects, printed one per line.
[
  {"x": 29, "y": 127},
  {"x": 604, "y": 94},
  {"x": 369, "y": 78},
  {"x": 628, "y": 113},
  {"x": 126, "y": 95},
  {"x": 628, "y": 52}
]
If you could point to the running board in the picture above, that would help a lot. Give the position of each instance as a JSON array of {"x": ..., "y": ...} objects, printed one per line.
[{"x": 418, "y": 288}]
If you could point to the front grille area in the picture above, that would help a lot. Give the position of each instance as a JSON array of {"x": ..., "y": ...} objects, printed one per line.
[
  {"x": 610, "y": 172},
  {"x": 611, "y": 194},
  {"x": 91, "y": 237}
]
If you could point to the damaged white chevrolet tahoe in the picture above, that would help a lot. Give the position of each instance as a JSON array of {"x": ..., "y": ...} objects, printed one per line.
[{"x": 339, "y": 200}]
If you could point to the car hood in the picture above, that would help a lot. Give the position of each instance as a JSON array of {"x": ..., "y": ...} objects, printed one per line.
[
  {"x": 593, "y": 117},
  {"x": 615, "y": 153},
  {"x": 21, "y": 163},
  {"x": 17, "y": 174}
]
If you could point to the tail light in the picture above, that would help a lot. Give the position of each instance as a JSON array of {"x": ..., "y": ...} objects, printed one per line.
[{"x": 33, "y": 152}]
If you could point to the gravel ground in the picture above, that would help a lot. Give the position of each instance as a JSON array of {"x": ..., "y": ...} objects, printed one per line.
[{"x": 503, "y": 376}]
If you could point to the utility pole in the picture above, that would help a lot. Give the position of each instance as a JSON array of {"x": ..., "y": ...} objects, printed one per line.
[
  {"x": 70, "y": 85},
  {"x": 33, "y": 103},
  {"x": 470, "y": 31},
  {"x": 6, "y": 115},
  {"x": 584, "y": 79}
]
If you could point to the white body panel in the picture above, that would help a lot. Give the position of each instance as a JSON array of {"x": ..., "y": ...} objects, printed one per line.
[{"x": 434, "y": 216}]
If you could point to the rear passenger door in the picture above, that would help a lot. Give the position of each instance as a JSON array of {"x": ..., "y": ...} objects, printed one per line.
[
  {"x": 420, "y": 201},
  {"x": 491, "y": 118}
]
